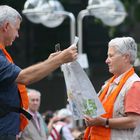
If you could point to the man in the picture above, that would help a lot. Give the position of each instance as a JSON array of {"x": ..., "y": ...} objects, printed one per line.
[
  {"x": 120, "y": 95},
  {"x": 36, "y": 129},
  {"x": 12, "y": 78}
]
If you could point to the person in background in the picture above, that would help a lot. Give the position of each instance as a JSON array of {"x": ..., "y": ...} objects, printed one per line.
[
  {"x": 63, "y": 126},
  {"x": 47, "y": 116},
  {"x": 36, "y": 129},
  {"x": 120, "y": 95},
  {"x": 50, "y": 118},
  {"x": 13, "y": 94}
]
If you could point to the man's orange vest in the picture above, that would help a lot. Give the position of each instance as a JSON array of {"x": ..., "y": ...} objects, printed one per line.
[
  {"x": 100, "y": 132},
  {"x": 23, "y": 94}
]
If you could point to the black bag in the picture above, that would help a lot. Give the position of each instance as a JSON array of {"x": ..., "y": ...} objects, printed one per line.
[{"x": 5, "y": 109}]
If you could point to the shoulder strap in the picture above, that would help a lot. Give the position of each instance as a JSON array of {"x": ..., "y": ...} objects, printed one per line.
[{"x": 5, "y": 109}]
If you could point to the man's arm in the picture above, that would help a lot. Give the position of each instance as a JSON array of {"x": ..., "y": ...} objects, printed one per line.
[{"x": 38, "y": 71}]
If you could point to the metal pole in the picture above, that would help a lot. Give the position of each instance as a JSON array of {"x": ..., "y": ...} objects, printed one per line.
[
  {"x": 72, "y": 24},
  {"x": 81, "y": 16},
  {"x": 62, "y": 13}
]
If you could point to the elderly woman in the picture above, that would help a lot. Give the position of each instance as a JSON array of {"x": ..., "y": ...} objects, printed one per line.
[{"x": 120, "y": 95}]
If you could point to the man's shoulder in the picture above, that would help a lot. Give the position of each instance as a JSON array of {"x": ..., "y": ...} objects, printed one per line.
[
  {"x": 3, "y": 60},
  {"x": 2, "y": 56},
  {"x": 1, "y": 53}
]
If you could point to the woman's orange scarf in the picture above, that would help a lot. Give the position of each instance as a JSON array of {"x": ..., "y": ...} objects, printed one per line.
[
  {"x": 22, "y": 92},
  {"x": 100, "y": 132}
]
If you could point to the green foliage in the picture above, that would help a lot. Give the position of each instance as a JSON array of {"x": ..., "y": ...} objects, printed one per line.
[
  {"x": 138, "y": 50},
  {"x": 136, "y": 12},
  {"x": 90, "y": 107},
  {"x": 133, "y": 17}
]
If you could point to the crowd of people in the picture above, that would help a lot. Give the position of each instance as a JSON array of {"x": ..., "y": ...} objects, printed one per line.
[{"x": 19, "y": 107}]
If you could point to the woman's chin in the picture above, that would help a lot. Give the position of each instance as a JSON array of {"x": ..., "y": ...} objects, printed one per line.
[{"x": 110, "y": 70}]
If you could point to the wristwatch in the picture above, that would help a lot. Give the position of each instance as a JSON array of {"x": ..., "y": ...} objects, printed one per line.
[{"x": 107, "y": 123}]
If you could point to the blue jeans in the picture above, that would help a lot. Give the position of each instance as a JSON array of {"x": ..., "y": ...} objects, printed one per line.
[{"x": 7, "y": 137}]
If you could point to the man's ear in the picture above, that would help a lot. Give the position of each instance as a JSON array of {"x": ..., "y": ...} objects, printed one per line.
[{"x": 5, "y": 26}]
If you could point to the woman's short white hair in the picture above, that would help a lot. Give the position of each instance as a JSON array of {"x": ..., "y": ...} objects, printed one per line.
[
  {"x": 9, "y": 14},
  {"x": 125, "y": 45}
]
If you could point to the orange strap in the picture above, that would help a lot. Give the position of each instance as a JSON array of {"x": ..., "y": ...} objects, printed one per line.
[
  {"x": 22, "y": 92},
  {"x": 100, "y": 132}
]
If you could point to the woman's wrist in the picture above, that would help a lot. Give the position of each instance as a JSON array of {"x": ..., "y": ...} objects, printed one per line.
[{"x": 107, "y": 123}]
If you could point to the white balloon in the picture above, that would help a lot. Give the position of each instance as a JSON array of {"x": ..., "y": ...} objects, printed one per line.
[
  {"x": 30, "y": 10},
  {"x": 44, "y": 11},
  {"x": 111, "y": 12},
  {"x": 52, "y": 19}
]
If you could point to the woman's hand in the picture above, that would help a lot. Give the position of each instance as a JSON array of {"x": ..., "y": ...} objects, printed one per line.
[{"x": 99, "y": 121}]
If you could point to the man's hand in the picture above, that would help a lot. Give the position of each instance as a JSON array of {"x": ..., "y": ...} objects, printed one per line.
[
  {"x": 67, "y": 55},
  {"x": 54, "y": 54}
]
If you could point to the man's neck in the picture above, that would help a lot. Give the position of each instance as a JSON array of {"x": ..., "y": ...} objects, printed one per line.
[
  {"x": 32, "y": 112},
  {"x": 1, "y": 43}
]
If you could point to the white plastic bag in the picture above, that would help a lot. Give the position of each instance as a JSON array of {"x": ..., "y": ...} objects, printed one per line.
[{"x": 82, "y": 97}]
